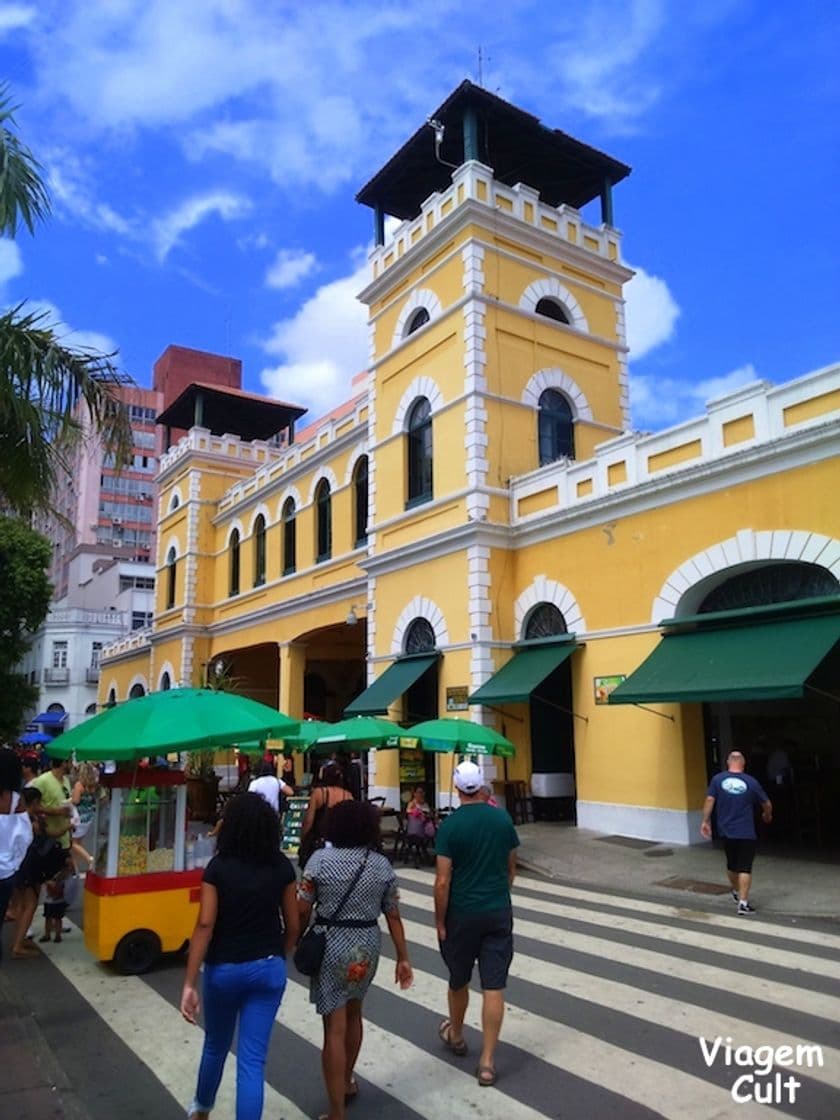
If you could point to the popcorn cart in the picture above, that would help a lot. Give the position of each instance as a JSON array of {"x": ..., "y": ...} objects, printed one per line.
[{"x": 141, "y": 899}]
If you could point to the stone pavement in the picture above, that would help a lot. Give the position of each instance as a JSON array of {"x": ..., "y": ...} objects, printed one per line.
[
  {"x": 783, "y": 885},
  {"x": 35, "y": 1087}
]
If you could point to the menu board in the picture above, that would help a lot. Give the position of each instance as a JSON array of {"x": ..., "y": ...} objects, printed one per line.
[{"x": 293, "y": 823}]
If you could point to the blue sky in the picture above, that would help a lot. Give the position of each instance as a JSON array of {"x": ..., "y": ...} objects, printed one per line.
[{"x": 203, "y": 157}]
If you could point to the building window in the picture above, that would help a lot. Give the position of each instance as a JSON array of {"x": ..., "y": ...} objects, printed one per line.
[
  {"x": 289, "y": 519},
  {"x": 90, "y": 710},
  {"x": 111, "y": 702},
  {"x": 259, "y": 551},
  {"x": 551, "y": 309},
  {"x": 556, "y": 428},
  {"x": 59, "y": 655},
  {"x": 419, "y": 452},
  {"x": 136, "y": 691},
  {"x": 171, "y": 563},
  {"x": 420, "y": 637},
  {"x": 141, "y": 619},
  {"x": 323, "y": 522},
  {"x": 360, "y": 494},
  {"x": 165, "y": 683},
  {"x": 233, "y": 563},
  {"x": 544, "y": 621},
  {"x": 419, "y": 319},
  {"x": 95, "y": 652}
]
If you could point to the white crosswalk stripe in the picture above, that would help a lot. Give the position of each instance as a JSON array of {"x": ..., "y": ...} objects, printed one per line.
[{"x": 607, "y": 1003}]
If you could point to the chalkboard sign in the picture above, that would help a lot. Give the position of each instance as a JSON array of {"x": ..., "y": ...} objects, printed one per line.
[{"x": 293, "y": 823}]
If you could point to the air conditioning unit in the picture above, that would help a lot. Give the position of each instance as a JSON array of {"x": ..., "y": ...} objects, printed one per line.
[
  {"x": 116, "y": 543},
  {"x": 116, "y": 521}
]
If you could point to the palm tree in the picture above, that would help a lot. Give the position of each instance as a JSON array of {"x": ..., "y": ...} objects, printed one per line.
[{"x": 51, "y": 396}]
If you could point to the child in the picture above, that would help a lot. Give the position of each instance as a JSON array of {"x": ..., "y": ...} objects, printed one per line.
[{"x": 55, "y": 907}]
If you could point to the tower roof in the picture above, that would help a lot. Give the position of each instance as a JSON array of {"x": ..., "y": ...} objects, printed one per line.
[
  {"x": 518, "y": 147},
  {"x": 223, "y": 409}
]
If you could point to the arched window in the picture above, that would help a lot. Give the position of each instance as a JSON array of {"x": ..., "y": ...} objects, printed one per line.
[
  {"x": 233, "y": 563},
  {"x": 418, "y": 319},
  {"x": 420, "y": 479},
  {"x": 544, "y": 621},
  {"x": 136, "y": 691},
  {"x": 165, "y": 683},
  {"x": 90, "y": 710},
  {"x": 289, "y": 519},
  {"x": 360, "y": 495},
  {"x": 323, "y": 522},
  {"x": 783, "y": 582},
  {"x": 556, "y": 427},
  {"x": 420, "y": 636},
  {"x": 174, "y": 502},
  {"x": 111, "y": 702},
  {"x": 171, "y": 564},
  {"x": 553, "y": 310},
  {"x": 259, "y": 551}
]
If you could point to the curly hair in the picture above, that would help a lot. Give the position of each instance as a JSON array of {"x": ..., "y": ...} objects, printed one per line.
[
  {"x": 353, "y": 824},
  {"x": 87, "y": 774},
  {"x": 250, "y": 830}
]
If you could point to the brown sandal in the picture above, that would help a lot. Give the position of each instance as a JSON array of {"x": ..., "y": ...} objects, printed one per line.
[
  {"x": 457, "y": 1046},
  {"x": 486, "y": 1076}
]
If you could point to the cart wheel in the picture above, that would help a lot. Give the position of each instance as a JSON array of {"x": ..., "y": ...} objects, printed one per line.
[{"x": 137, "y": 952}]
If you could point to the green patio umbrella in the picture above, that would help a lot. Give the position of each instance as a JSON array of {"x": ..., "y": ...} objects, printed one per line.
[
  {"x": 460, "y": 736},
  {"x": 180, "y": 719},
  {"x": 308, "y": 731},
  {"x": 358, "y": 733}
]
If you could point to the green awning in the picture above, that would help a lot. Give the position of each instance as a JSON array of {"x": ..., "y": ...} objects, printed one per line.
[
  {"x": 396, "y": 680},
  {"x": 520, "y": 676},
  {"x": 763, "y": 661}
]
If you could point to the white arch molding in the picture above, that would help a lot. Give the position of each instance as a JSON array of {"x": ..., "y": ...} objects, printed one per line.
[
  {"x": 556, "y": 379},
  {"x": 420, "y": 297},
  {"x": 356, "y": 454},
  {"x": 685, "y": 588},
  {"x": 293, "y": 493},
  {"x": 419, "y": 387},
  {"x": 112, "y": 687},
  {"x": 262, "y": 508},
  {"x": 545, "y": 590},
  {"x": 167, "y": 668},
  {"x": 551, "y": 288},
  {"x": 419, "y": 607},
  {"x": 237, "y": 525},
  {"x": 173, "y": 542},
  {"x": 324, "y": 472},
  {"x": 138, "y": 678}
]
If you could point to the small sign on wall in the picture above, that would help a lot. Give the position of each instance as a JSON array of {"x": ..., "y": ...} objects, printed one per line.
[
  {"x": 605, "y": 685},
  {"x": 456, "y": 698}
]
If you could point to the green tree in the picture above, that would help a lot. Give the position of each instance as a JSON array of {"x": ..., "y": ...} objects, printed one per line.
[
  {"x": 25, "y": 593},
  {"x": 47, "y": 390}
]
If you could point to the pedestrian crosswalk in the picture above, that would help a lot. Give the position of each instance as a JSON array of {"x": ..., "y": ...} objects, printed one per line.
[{"x": 609, "y": 997}]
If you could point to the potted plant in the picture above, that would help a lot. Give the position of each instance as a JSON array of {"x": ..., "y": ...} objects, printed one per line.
[{"x": 202, "y": 785}]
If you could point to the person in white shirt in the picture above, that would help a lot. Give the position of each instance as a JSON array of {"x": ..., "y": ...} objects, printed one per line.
[{"x": 269, "y": 786}]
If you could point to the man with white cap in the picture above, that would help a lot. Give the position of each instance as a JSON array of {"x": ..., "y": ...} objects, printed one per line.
[{"x": 476, "y": 862}]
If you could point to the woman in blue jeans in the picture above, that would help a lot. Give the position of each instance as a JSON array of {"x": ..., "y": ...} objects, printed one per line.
[{"x": 240, "y": 939}]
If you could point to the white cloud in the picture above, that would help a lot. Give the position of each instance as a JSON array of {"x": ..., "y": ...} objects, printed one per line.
[
  {"x": 69, "y": 336},
  {"x": 650, "y": 312},
  {"x": 658, "y": 401},
  {"x": 72, "y": 184},
  {"x": 321, "y": 347},
  {"x": 15, "y": 16},
  {"x": 11, "y": 262},
  {"x": 289, "y": 268},
  {"x": 167, "y": 230}
]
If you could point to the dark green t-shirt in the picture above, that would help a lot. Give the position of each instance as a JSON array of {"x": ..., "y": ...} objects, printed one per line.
[{"x": 478, "y": 838}]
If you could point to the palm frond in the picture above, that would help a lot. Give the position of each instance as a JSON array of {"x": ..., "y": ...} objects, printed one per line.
[{"x": 23, "y": 196}]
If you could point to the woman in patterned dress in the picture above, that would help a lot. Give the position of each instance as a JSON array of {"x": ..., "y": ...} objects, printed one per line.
[{"x": 352, "y": 943}]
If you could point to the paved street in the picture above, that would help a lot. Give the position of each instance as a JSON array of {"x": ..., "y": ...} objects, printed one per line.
[{"x": 609, "y": 995}]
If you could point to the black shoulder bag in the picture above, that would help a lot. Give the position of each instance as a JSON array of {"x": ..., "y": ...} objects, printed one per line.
[{"x": 310, "y": 949}]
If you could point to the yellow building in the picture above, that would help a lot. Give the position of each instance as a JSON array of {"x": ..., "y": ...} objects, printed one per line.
[{"x": 478, "y": 527}]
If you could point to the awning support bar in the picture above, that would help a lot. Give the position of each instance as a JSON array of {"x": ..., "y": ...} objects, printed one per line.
[
  {"x": 821, "y": 692},
  {"x": 654, "y": 712},
  {"x": 560, "y": 708}
]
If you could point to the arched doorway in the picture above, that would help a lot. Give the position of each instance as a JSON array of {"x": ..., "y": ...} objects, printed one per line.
[
  {"x": 552, "y": 723},
  {"x": 792, "y": 746}
]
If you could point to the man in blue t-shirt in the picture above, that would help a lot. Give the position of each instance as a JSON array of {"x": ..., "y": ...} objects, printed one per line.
[
  {"x": 735, "y": 794},
  {"x": 476, "y": 862}
]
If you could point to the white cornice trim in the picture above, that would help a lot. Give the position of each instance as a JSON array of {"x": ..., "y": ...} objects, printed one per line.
[{"x": 441, "y": 544}]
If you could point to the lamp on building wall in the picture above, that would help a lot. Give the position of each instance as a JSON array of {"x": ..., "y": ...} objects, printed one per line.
[{"x": 352, "y": 618}]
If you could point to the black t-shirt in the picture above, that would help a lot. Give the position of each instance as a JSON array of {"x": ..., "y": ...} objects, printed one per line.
[{"x": 248, "y": 923}]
